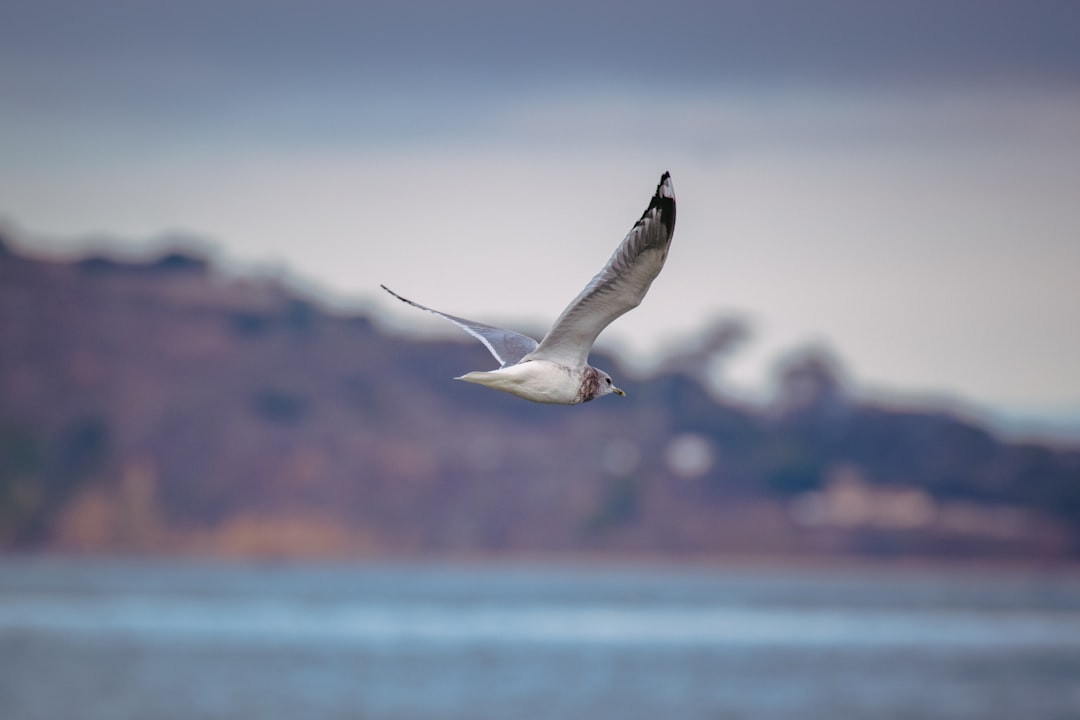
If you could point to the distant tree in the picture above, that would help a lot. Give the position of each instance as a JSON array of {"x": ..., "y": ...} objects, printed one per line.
[
  {"x": 172, "y": 262},
  {"x": 21, "y": 466},
  {"x": 810, "y": 382}
]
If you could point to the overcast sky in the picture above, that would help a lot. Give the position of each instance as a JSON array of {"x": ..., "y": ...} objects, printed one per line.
[{"x": 898, "y": 181}]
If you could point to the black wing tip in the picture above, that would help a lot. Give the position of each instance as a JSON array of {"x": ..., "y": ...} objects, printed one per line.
[
  {"x": 402, "y": 299},
  {"x": 663, "y": 200}
]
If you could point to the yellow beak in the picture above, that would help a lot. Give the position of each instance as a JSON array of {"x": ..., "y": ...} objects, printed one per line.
[{"x": 618, "y": 392}]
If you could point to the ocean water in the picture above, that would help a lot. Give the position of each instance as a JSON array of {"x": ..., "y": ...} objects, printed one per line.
[{"x": 109, "y": 640}]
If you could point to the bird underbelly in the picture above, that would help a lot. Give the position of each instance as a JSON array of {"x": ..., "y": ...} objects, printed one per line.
[{"x": 537, "y": 380}]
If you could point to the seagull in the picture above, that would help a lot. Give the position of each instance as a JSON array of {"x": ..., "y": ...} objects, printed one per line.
[{"x": 556, "y": 369}]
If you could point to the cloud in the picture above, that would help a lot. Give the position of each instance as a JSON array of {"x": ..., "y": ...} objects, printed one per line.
[{"x": 114, "y": 47}]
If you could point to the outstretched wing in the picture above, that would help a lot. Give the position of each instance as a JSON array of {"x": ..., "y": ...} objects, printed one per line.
[
  {"x": 507, "y": 346},
  {"x": 619, "y": 287}
]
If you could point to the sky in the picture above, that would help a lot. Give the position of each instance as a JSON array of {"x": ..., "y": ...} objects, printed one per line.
[{"x": 898, "y": 182}]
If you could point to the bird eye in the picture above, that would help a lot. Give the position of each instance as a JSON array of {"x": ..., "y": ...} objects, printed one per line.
[{"x": 608, "y": 380}]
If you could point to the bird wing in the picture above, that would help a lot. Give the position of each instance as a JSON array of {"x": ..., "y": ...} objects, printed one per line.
[
  {"x": 507, "y": 346},
  {"x": 619, "y": 287}
]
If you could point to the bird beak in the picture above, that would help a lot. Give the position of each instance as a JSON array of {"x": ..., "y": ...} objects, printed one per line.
[{"x": 617, "y": 391}]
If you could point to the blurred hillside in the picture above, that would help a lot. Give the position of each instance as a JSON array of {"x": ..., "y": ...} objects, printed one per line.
[{"x": 161, "y": 407}]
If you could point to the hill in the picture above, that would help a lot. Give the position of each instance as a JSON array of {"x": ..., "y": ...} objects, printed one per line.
[{"x": 163, "y": 407}]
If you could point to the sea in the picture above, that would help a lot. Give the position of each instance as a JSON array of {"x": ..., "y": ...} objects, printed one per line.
[{"x": 115, "y": 639}]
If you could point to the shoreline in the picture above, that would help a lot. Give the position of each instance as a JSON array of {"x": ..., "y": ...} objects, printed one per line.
[{"x": 652, "y": 562}]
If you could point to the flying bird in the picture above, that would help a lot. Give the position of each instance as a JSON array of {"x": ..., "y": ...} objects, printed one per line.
[{"x": 556, "y": 369}]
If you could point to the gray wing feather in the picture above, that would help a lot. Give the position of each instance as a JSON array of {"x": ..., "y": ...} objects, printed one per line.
[
  {"x": 507, "y": 346},
  {"x": 619, "y": 287}
]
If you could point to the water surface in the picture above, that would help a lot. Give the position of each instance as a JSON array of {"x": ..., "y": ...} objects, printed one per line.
[{"x": 181, "y": 640}]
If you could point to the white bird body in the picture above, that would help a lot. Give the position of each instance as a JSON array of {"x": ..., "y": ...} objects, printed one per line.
[
  {"x": 556, "y": 369},
  {"x": 541, "y": 381}
]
